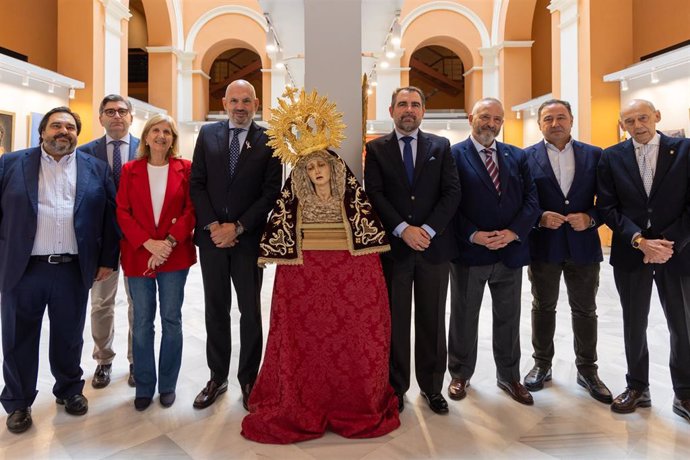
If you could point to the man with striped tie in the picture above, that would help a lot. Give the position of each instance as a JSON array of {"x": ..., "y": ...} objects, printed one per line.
[
  {"x": 116, "y": 147},
  {"x": 498, "y": 208}
]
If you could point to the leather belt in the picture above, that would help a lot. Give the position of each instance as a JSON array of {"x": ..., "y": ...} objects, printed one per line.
[{"x": 55, "y": 259}]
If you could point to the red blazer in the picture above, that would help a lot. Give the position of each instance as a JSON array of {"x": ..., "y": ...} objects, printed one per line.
[{"x": 135, "y": 217}]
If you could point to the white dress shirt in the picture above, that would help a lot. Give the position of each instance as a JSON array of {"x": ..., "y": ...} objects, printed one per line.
[
  {"x": 124, "y": 149},
  {"x": 562, "y": 163},
  {"x": 158, "y": 182}
]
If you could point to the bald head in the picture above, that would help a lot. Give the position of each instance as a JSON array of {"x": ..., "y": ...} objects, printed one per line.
[
  {"x": 486, "y": 120},
  {"x": 240, "y": 102},
  {"x": 487, "y": 101},
  {"x": 639, "y": 118}
]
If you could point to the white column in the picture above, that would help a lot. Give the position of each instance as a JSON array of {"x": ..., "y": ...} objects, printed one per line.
[
  {"x": 185, "y": 90},
  {"x": 570, "y": 77},
  {"x": 387, "y": 81},
  {"x": 490, "y": 74},
  {"x": 115, "y": 12}
]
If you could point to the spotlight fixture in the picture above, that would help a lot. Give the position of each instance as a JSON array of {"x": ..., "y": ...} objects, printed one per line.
[
  {"x": 146, "y": 115},
  {"x": 624, "y": 85},
  {"x": 25, "y": 80},
  {"x": 51, "y": 88},
  {"x": 518, "y": 114},
  {"x": 653, "y": 77},
  {"x": 385, "y": 64},
  {"x": 396, "y": 30},
  {"x": 370, "y": 91},
  {"x": 370, "y": 127},
  {"x": 390, "y": 52},
  {"x": 72, "y": 94},
  {"x": 532, "y": 111},
  {"x": 448, "y": 125}
]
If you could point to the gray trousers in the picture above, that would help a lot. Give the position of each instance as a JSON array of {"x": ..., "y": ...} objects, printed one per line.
[{"x": 103, "y": 295}]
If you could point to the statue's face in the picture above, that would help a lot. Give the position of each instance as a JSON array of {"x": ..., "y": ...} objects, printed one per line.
[{"x": 319, "y": 171}]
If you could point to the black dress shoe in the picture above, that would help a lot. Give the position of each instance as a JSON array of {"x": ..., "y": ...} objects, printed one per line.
[
  {"x": 535, "y": 378},
  {"x": 457, "y": 389},
  {"x": 101, "y": 378},
  {"x": 437, "y": 402},
  {"x": 631, "y": 399},
  {"x": 142, "y": 403},
  {"x": 517, "y": 391},
  {"x": 208, "y": 395},
  {"x": 596, "y": 387},
  {"x": 167, "y": 399},
  {"x": 75, "y": 404},
  {"x": 130, "y": 380},
  {"x": 19, "y": 421},
  {"x": 246, "y": 391},
  {"x": 680, "y": 407},
  {"x": 401, "y": 401}
]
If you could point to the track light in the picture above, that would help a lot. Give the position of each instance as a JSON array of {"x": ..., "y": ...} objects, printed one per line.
[
  {"x": 385, "y": 64},
  {"x": 624, "y": 85},
  {"x": 518, "y": 114},
  {"x": 51, "y": 88},
  {"x": 653, "y": 77},
  {"x": 72, "y": 94},
  {"x": 25, "y": 80}
]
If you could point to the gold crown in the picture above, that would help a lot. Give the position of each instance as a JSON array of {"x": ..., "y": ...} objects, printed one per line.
[{"x": 301, "y": 126}]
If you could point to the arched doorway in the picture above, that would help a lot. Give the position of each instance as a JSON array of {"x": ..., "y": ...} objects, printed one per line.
[
  {"x": 138, "y": 58},
  {"x": 438, "y": 72},
  {"x": 233, "y": 64}
]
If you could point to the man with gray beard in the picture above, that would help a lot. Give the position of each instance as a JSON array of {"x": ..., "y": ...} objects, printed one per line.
[{"x": 498, "y": 208}]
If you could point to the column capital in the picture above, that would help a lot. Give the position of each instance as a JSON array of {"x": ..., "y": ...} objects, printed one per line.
[
  {"x": 114, "y": 9},
  {"x": 561, "y": 5}
]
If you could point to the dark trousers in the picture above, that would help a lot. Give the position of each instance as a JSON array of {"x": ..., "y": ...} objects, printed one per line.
[
  {"x": 61, "y": 289},
  {"x": 430, "y": 284},
  {"x": 635, "y": 290},
  {"x": 466, "y": 293},
  {"x": 220, "y": 268},
  {"x": 582, "y": 283}
]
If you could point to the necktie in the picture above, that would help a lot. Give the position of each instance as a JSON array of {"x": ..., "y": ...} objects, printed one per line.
[
  {"x": 234, "y": 149},
  {"x": 407, "y": 157},
  {"x": 117, "y": 161},
  {"x": 492, "y": 169},
  {"x": 646, "y": 170}
]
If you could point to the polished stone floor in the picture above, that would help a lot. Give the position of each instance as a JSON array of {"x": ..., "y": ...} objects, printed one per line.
[{"x": 564, "y": 422}]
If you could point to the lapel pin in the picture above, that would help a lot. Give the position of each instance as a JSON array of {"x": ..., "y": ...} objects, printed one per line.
[
  {"x": 672, "y": 152},
  {"x": 247, "y": 145}
]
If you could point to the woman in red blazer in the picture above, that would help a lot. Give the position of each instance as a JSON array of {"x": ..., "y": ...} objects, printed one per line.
[{"x": 156, "y": 216}]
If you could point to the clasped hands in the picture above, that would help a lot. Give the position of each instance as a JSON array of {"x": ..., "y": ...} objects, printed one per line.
[
  {"x": 160, "y": 251},
  {"x": 223, "y": 235},
  {"x": 579, "y": 221},
  {"x": 495, "y": 239},
  {"x": 656, "y": 251},
  {"x": 416, "y": 237}
]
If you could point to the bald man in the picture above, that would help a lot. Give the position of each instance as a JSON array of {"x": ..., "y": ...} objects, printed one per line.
[{"x": 644, "y": 197}]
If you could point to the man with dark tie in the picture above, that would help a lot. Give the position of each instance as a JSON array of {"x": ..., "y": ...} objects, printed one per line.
[
  {"x": 564, "y": 242},
  {"x": 116, "y": 147},
  {"x": 644, "y": 196},
  {"x": 57, "y": 221},
  {"x": 411, "y": 180},
  {"x": 235, "y": 181},
  {"x": 496, "y": 213}
]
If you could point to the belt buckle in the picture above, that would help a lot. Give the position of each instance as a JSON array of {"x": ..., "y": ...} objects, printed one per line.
[{"x": 50, "y": 259}]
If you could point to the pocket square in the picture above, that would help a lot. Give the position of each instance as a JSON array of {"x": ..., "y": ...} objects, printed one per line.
[{"x": 431, "y": 159}]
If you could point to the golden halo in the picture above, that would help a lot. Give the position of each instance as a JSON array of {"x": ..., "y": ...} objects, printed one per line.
[{"x": 301, "y": 126}]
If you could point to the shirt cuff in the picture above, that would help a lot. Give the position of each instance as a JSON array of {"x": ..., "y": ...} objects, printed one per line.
[
  {"x": 429, "y": 230},
  {"x": 397, "y": 231}
]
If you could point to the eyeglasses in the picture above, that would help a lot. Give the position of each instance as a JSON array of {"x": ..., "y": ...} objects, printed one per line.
[{"x": 111, "y": 112}]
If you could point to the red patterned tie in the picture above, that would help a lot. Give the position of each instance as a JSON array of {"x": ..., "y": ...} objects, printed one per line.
[{"x": 492, "y": 169}]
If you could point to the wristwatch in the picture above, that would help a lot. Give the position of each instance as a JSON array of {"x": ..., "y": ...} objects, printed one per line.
[
  {"x": 239, "y": 228},
  {"x": 636, "y": 241},
  {"x": 171, "y": 239}
]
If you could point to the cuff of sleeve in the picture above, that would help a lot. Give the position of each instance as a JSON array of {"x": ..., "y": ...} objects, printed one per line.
[
  {"x": 397, "y": 231},
  {"x": 429, "y": 230}
]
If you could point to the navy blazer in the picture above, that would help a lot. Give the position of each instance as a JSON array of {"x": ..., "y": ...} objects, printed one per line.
[
  {"x": 97, "y": 148},
  {"x": 94, "y": 215},
  {"x": 625, "y": 207},
  {"x": 431, "y": 199},
  {"x": 482, "y": 208},
  {"x": 248, "y": 197},
  {"x": 564, "y": 243}
]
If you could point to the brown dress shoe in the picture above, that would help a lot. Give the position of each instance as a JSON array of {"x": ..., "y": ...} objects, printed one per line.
[
  {"x": 101, "y": 378},
  {"x": 517, "y": 391},
  {"x": 535, "y": 378},
  {"x": 596, "y": 387},
  {"x": 682, "y": 407},
  {"x": 457, "y": 389},
  {"x": 246, "y": 391},
  {"x": 630, "y": 400},
  {"x": 208, "y": 395},
  {"x": 19, "y": 420}
]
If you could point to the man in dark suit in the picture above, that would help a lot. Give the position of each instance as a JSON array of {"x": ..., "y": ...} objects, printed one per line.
[
  {"x": 644, "y": 196},
  {"x": 410, "y": 178},
  {"x": 117, "y": 147},
  {"x": 235, "y": 181},
  {"x": 496, "y": 213},
  {"x": 565, "y": 241},
  {"x": 57, "y": 221}
]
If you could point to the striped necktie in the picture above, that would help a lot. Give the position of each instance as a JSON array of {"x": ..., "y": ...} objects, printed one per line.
[{"x": 492, "y": 169}]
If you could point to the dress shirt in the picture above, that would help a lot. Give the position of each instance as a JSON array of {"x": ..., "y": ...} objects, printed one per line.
[
  {"x": 124, "y": 149},
  {"x": 651, "y": 149},
  {"x": 398, "y": 231},
  {"x": 57, "y": 186},
  {"x": 562, "y": 163},
  {"x": 482, "y": 155},
  {"x": 158, "y": 181},
  {"x": 242, "y": 137}
]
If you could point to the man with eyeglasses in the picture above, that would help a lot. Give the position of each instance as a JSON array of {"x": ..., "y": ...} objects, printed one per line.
[{"x": 116, "y": 147}]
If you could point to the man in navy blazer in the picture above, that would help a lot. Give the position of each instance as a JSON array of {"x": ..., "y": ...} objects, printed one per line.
[
  {"x": 564, "y": 242},
  {"x": 57, "y": 221},
  {"x": 234, "y": 184},
  {"x": 644, "y": 196},
  {"x": 497, "y": 210},
  {"x": 115, "y": 115},
  {"x": 412, "y": 183}
]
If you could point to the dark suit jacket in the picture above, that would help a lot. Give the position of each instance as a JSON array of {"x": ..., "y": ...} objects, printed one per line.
[
  {"x": 94, "y": 215},
  {"x": 431, "y": 199},
  {"x": 97, "y": 148},
  {"x": 481, "y": 207},
  {"x": 625, "y": 207},
  {"x": 135, "y": 216},
  {"x": 248, "y": 197},
  {"x": 564, "y": 243}
]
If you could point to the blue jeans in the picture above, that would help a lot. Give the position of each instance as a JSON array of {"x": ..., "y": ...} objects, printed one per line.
[{"x": 171, "y": 294}]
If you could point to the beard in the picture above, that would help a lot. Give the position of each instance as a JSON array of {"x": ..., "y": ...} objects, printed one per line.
[
  {"x": 486, "y": 136},
  {"x": 60, "y": 148}
]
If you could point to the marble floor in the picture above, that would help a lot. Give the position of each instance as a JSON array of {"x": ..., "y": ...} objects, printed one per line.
[{"x": 563, "y": 423}]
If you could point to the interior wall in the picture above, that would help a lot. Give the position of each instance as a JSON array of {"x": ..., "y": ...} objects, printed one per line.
[
  {"x": 541, "y": 49},
  {"x": 658, "y": 25},
  {"x": 26, "y": 32}
]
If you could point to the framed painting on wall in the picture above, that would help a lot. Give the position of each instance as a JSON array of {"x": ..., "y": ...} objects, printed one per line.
[
  {"x": 6, "y": 131},
  {"x": 34, "y": 119}
]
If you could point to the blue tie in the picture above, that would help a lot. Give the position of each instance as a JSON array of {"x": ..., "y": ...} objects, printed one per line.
[
  {"x": 234, "y": 149},
  {"x": 117, "y": 161},
  {"x": 407, "y": 157}
]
